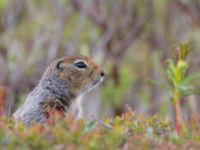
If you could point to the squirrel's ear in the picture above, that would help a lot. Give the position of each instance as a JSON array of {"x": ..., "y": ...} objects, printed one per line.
[{"x": 60, "y": 65}]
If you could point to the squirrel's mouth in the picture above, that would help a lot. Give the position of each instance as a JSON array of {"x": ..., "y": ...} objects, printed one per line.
[
  {"x": 96, "y": 82},
  {"x": 93, "y": 84}
]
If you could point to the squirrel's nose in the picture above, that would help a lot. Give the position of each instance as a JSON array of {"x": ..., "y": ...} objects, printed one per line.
[{"x": 102, "y": 73}]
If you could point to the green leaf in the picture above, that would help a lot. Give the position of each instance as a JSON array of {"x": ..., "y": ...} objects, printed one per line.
[
  {"x": 90, "y": 126},
  {"x": 180, "y": 70},
  {"x": 184, "y": 50},
  {"x": 191, "y": 92},
  {"x": 149, "y": 131},
  {"x": 191, "y": 78},
  {"x": 170, "y": 70}
]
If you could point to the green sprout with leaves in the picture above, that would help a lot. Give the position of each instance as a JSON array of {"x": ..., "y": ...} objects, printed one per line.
[{"x": 177, "y": 73}]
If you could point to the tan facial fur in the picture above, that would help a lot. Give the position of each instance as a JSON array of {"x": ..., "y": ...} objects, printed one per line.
[{"x": 79, "y": 79}]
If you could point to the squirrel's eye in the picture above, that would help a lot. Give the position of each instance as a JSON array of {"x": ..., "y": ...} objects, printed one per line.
[{"x": 80, "y": 65}]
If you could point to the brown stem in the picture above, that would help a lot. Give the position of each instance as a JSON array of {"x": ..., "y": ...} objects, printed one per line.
[
  {"x": 179, "y": 121},
  {"x": 2, "y": 100}
]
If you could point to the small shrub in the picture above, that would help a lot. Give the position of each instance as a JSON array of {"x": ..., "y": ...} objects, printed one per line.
[{"x": 129, "y": 131}]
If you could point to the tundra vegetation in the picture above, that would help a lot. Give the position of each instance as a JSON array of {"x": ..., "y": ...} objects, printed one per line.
[{"x": 151, "y": 54}]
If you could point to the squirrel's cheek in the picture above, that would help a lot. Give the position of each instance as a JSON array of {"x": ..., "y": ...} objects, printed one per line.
[{"x": 62, "y": 76}]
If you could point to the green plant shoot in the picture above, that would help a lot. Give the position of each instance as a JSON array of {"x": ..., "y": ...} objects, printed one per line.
[{"x": 181, "y": 82}]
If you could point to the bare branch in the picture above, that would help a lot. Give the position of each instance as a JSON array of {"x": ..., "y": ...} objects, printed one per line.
[
  {"x": 188, "y": 11},
  {"x": 91, "y": 12}
]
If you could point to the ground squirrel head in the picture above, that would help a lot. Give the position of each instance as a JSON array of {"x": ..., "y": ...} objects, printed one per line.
[{"x": 80, "y": 73}]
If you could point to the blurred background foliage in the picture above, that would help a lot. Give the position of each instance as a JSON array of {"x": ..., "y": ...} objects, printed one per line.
[{"x": 132, "y": 39}]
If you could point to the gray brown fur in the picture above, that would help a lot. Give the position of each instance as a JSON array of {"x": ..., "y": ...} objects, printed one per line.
[{"x": 59, "y": 88}]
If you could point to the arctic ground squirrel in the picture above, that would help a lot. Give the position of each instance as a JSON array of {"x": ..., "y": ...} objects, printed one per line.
[{"x": 63, "y": 83}]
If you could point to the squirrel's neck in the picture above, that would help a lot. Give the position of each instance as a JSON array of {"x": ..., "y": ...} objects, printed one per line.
[
  {"x": 56, "y": 90},
  {"x": 55, "y": 86}
]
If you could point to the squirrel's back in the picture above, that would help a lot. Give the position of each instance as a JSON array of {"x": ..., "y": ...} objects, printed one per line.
[{"x": 60, "y": 88}]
